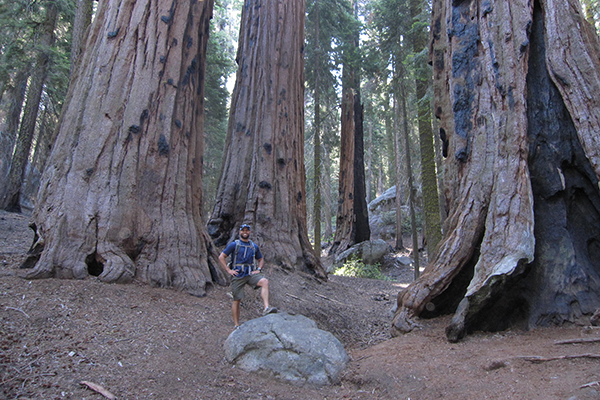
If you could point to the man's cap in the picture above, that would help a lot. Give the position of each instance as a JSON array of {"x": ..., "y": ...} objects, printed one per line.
[{"x": 245, "y": 226}]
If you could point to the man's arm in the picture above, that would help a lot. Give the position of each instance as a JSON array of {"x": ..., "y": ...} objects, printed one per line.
[
  {"x": 223, "y": 262},
  {"x": 261, "y": 264}
]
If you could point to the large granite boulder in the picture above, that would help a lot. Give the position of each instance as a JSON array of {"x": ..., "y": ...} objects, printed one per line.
[
  {"x": 382, "y": 215},
  {"x": 370, "y": 252},
  {"x": 289, "y": 347}
]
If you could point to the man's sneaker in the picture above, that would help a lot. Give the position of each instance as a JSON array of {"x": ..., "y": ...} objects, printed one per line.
[{"x": 269, "y": 310}]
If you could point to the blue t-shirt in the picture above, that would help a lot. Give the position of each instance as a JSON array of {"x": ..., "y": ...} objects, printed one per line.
[{"x": 247, "y": 252}]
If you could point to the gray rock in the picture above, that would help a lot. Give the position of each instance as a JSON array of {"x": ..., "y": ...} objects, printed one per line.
[
  {"x": 370, "y": 252},
  {"x": 289, "y": 347},
  {"x": 385, "y": 202},
  {"x": 404, "y": 261},
  {"x": 382, "y": 215}
]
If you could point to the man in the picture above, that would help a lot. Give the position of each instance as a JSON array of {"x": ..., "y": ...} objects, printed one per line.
[{"x": 243, "y": 253}]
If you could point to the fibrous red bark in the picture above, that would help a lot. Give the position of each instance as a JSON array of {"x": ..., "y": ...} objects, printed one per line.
[
  {"x": 121, "y": 195},
  {"x": 263, "y": 179}
]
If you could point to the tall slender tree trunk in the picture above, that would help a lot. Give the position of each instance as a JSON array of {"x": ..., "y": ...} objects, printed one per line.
[
  {"x": 344, "y": 225},
  {"x": 352, "y": 222},
  {"x": 121, "y": 196},
  {"x": 411, "y": 185},
  {"x": 39, "y": 155},
  {"x": 317, "y": 124},
  {"x": 327, "y": 210},
  {"x": 395, "y": 132},
  {"x": 370, "y": 177},
  {"x": 362, "y": 230},
  {"x": 8, "y": 133},
  {"x": 10, "y": 199},
  {"x": 263, "y": 180},
  {"x": 81, "y": 22},
  {"x": 431, "y": 204},
  {"x": 511, "y": 82}
]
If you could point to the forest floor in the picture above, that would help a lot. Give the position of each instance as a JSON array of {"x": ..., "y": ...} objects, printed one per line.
[{"x": 139, "y": 342}]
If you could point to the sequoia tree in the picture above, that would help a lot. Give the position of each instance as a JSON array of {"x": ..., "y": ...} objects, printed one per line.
[
  {"x": 263, "y": 179},
  {"x": 514, "y": 90},
  {"x": 120, "y": 197},
  {"x": 352, "y": 221}
]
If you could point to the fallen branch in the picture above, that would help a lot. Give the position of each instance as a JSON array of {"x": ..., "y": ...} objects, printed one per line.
[
  {"x": 294, "y": 297},
  {"x": 578, "y": 340},
  {"x": 18, "y": 309},
  {"x": 97, "y": 388},
  {"x": 539, "y": 359},
  {"x": 590, "y": 384},
  {"x": 327, "y": 298}
]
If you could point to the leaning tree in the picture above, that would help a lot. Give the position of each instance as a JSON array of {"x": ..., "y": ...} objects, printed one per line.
[
  {"x": 121, "y": 194},
  {"x": 515, "y": 85},
  {"x": 263, "y": 180}
]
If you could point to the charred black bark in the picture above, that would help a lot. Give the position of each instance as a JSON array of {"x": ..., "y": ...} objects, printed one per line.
[
  {"x": 361, "y": 229},
  {"x": 564, "y": 281}
]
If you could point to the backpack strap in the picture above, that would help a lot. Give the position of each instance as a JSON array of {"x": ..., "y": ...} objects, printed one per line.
[
  {"x": 235, "y": 252},
  {"x": 253, "y": 254}
]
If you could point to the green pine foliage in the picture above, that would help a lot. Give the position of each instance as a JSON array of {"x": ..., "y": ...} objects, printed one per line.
[{"x": 20, "y": 21}]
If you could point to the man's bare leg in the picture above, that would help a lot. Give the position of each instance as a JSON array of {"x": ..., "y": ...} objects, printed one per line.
[
  {"x": 235, "y": 312},
  {"x": 264, "y": 291}
]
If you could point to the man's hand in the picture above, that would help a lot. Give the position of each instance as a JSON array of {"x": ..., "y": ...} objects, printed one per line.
[
  {"x": 255, "y": 272},
  {"x": 232, "y": 272}
]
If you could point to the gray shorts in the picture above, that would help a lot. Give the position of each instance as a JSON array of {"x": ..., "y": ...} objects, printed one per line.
[{"x": 237, "y": 285}]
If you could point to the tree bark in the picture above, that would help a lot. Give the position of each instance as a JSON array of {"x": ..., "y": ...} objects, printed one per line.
[
  {"x": 480, "y": 59},
  {"x": 370, "y": 177},
  {"x": 514, "y": 86},
  {"x": 411, "y": 188},
  {"x": 395, "y": 131},
  {"x": 352, "y": 222},
  {"x": 317, "y": 127},
  {"x": 431, "y": 204},
  {"x": 362, "y": 230},
  {"x": 8, "y": 133},
  {"x": 121, "y": 196},
  {"x": 10, "y": 200},
  {"x": 263, "y": 179},
  {"x": 344, "y": 223},
  {"x": 328, "y": 209},
  {"x": 81, "y": 22}
]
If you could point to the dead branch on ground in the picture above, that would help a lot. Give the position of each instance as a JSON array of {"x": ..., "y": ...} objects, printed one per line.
[
  {"x": 539, "y": 359},
  {"x": 578, "y": 340}
]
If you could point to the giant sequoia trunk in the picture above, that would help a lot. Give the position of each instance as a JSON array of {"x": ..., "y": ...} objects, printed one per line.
[
  {"x": 263, "y": 181},
  {"x": 121, "y": 195},
  {"x": 514, "y": 87}
]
